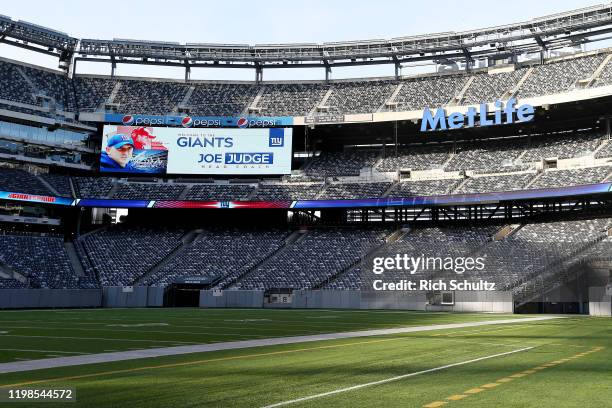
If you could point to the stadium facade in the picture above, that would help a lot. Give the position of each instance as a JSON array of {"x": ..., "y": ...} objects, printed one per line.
[{"x": 514, "y": 172}]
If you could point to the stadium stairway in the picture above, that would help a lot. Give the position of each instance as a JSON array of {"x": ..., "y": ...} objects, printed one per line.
[
  {"x": 7, "y": 272},
  {"x": 307, "y": 164},
  {"x": 186, "y": 241},
  {"x": 386, "y": 105},
  {"x": 185, "y": 101},
  {"x": 295, "y": 236},
  {"x": 47, "y": 185},
  {"x": 72, "y": 187},
  {"x": 114, "y": 92},
  {"x": 519, "y": 159},
  {"x": 252, "y": 106},
  {"x": 252, "y": 194},
  {"x": 75, "y": 261},
  {"x": 601, "y": 146},
  {"x": 591, "y": 80},
  {"x": 506, "y": 231},
  {"x": 554, "y": 274},
  {"x": 321, "y": 192},
  {"x": 113, "y": 189},
  {"x": 379, "y": 160},
  {"x": 390, "y": 189},
  {"x": 34, "y": 90},
  {"x": 512, "y": 92},
  {"x": 185, "y": 192},
  {"x": 533, "y": 180},
  {"x": 539, "y": 287},
  {"x": 319, "y": 107},
  {"x": 457, "y": 99},
  {"x": 87, "y": 264},
  {"x": 451, "y": 155},
  {"x": 463, "y": 182},
  {"x": 374, "y": 251}
]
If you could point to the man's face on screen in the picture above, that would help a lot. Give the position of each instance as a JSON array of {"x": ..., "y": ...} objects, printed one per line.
[{"x": 122, "y": 155}]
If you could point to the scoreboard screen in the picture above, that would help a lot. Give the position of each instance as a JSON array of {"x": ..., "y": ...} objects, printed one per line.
[{"x": 164, "y": 150}]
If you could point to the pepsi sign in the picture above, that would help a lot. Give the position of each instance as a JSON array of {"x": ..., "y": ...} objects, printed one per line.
[
  {"x": 199, "y": 121},
  {"x": 132, "y": 120},
  {"x": 188, "y": 121},
  {"x": 242, "y": 123}
]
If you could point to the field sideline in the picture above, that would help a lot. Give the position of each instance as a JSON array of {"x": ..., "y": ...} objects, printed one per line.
[{"x": 523, "y": 364}]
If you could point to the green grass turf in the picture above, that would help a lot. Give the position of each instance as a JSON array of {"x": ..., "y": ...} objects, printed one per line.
[
  {"x": 70, "y": 332},
  {"x": 265, "y": 375}
]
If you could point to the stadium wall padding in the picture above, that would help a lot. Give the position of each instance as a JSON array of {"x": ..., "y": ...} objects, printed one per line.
[
  {"x": 50, "y": 298},
  {"x": 600, "y": 304},
  {"x": 232, "y": 298},
  {"x": 393, "y": 300},
  {"x": 477, "y": 301},
  {"x": 327, "y": 299},
  {"x": 155, "y": 296},
  {"x": 136, "y": 296}
]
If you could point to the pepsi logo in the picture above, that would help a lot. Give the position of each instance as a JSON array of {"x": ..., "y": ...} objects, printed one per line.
[
  {"x": 187, "y": 121},
  {"x": 127, "y": 120},
  {"x": 242, "y": 122}
]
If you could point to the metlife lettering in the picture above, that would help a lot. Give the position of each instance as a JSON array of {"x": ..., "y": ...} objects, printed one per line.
[{"x": 503, "y": 114}]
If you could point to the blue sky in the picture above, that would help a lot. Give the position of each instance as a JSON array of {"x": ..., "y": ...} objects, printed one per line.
[{"x": 271, "y": 21}]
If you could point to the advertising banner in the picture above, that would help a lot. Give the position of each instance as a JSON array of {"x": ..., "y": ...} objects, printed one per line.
[
  {"x": 157, "y": 150},
  {"x": 198, "y": 121}
]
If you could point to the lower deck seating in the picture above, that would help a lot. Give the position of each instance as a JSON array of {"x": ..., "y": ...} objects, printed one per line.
[
  {"x": 121, "y": 254},
  {"x": 533, "y": 251},
  {"x": 313, "y": 259},
  {"x": 40, "y": 258},
  {"x": 221, "y": 254}
]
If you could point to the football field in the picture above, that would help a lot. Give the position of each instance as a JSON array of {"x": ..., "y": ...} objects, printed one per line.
[{"x": 479, "y": 362}]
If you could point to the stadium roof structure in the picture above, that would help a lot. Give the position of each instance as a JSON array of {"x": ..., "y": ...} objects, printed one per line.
[
  {"x": 550, "y": 32},
  {"x": 36, "y": 38}
]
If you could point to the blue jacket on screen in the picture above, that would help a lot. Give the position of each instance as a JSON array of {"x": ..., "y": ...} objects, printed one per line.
[{"x": 106, "y": 162}]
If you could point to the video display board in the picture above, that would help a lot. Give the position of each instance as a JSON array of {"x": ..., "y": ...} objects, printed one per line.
[{"x": 161, "y": 150}]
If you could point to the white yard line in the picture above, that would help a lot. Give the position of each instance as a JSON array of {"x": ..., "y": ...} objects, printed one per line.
[{"x": 397, "y": 378}]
